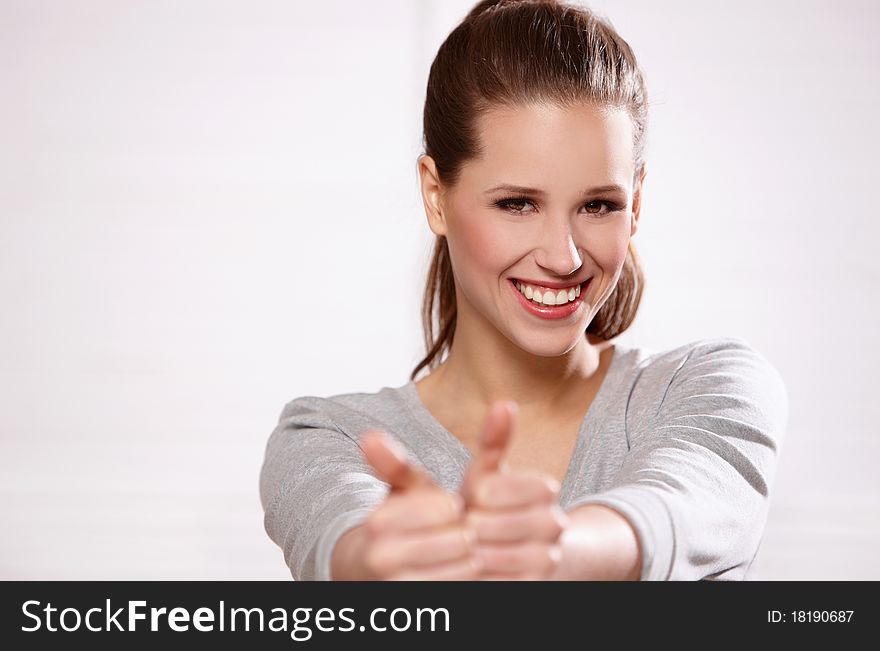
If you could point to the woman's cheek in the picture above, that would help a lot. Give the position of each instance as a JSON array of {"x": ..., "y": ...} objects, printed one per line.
[
  {"x": 607, "y": 246},
  {"x": 481, "y": 241}
]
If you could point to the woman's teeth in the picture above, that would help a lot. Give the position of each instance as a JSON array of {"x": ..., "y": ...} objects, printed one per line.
[{"x": 546, "y": 296}]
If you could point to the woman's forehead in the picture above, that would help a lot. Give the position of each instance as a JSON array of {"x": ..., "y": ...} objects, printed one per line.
[
  {"x": 547, "y": 124},
  {"x": 528, "y": 142}
]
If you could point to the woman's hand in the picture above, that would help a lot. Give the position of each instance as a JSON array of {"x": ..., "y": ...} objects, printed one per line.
[
  {"x": 419, "y": 531},
  {"x": 517, "y": 519}
]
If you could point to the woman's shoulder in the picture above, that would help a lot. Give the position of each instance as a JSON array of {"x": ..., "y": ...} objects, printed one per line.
[
  {"x": 730, "y": 353},
  {"x": 725, "y": 372},
  {"x": 351, "y": 413}
]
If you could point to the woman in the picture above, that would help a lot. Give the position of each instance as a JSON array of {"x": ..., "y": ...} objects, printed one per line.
[{"x": 538, "y": 449}]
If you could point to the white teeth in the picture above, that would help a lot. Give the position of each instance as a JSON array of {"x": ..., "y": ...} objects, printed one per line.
[{"x": 549, "y": 297}]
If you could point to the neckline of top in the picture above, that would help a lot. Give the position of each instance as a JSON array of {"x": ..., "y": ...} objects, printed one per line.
[{"x": 589, "y": 426}]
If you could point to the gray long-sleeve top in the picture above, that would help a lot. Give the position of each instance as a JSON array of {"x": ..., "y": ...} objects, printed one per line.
[{"x": 684, "y": 443}]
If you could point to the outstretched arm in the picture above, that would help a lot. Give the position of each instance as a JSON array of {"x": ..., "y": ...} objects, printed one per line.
[{"x": 695, "y": 485}]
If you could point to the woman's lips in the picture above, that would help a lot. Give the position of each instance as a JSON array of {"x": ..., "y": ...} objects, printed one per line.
[{"x": 551, "y": 311}]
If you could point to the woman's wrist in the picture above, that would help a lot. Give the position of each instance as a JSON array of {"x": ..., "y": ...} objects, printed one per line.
[
  {"x": 598, "y": 544},
  {"x": 346, "y": 560}
]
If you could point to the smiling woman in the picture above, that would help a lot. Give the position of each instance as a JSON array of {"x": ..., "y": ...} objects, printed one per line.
[{"x": 538, "y": 448}]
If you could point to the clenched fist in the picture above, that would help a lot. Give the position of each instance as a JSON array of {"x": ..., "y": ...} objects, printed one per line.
[
  {"x": 501, "y": 525},
  {"x": 515, "y": 515},
  {"x": 419, "y": 532}
]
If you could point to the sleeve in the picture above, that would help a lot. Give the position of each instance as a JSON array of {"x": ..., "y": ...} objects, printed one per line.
[
  {"x": 695, "y": 483},
  {"x": 314, "y": 485}
]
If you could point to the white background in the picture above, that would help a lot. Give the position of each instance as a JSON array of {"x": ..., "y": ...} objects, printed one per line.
[{"x": 210, "y": 208}]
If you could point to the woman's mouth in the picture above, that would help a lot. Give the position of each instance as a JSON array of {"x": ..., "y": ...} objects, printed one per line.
[{"x": 569, "y": 300}]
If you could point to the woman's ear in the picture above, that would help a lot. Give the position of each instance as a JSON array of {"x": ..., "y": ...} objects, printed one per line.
[{"x": 432, "y": 194}]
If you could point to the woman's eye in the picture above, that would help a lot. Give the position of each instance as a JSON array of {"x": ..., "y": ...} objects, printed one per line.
[
  {"x": 508, "y": 203},
  {"x": 610, "y": 207}
]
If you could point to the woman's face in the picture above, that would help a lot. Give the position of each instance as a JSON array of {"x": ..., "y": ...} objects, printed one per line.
[{"x": 566, "y": 227}]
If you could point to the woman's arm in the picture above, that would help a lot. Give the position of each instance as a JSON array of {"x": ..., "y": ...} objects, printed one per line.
[
  {"x": 315, "y": 486},
  {"x": 598, "y": 544},
  {"x": 695, "y": 484}
]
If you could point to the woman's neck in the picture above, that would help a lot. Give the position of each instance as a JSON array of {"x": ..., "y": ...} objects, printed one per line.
[{"x": 543, "y": 387}]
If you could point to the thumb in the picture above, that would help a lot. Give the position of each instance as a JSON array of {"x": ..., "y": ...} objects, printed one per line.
[
  {"x": 496, "y": 434},
  {"x": 390, "y": 461},
  {"x": 494, "y": 438}
]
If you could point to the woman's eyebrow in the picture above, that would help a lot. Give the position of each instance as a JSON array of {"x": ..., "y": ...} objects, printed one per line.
[{"x": 524, "y": 190}]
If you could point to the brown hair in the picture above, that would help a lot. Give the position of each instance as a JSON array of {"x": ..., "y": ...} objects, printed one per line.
[{"x": 506, "y": 53}]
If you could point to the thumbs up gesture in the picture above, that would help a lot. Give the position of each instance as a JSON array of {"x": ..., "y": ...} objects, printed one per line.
[
  {"x": 515, "y": 515},
  {"x": 419, "y": 531}
]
